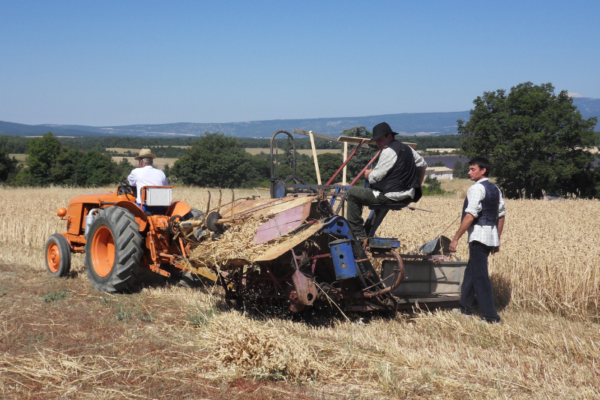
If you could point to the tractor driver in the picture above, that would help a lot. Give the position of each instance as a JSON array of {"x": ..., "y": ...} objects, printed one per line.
[
  {"x": 396, "y": 178},
  {"x": 146, "y": 174}
]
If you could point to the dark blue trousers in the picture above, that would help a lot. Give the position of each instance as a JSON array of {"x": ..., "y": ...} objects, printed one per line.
[{"x": 477, "y": 283}]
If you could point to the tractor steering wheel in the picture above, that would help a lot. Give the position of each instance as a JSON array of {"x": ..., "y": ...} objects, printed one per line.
[{"x": 125, "y": 188}]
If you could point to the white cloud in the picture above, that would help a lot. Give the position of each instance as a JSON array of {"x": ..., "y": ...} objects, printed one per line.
[{"x": 574, "y": 95}]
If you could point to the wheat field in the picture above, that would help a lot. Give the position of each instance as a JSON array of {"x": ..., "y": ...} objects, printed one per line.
[
  {"x": 546, "y": 278},
  {"x": 159, "y": 162}
]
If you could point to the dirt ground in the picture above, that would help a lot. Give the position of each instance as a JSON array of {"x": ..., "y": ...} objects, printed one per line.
[{"x": 59, "y": 338}]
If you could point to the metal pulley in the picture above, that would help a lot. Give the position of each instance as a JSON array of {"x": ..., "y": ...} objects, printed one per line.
[{"x": 212, "y": 222}]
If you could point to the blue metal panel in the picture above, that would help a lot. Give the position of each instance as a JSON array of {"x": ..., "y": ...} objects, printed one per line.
[
  {"x": 338, "y": 227},
  {"x": 337, "y": 191},
  {"x": 343, "y": 259},
  {"x": 383, "y": 243}
]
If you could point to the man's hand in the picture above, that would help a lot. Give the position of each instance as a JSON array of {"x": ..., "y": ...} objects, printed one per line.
[
  {"x": 464, "y": 225},
  {"x": 453, "y": 246},
  {"x": 421, "y": 175},
  {"x": 496, "y": 249},
  {"x": 368, "y": 172}
]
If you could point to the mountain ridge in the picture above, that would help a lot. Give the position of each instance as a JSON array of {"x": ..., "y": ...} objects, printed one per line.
[{"x": 407, "y": 124}]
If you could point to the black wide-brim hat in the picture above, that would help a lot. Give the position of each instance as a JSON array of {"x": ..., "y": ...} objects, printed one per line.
[{"x": 381, "y": 130}]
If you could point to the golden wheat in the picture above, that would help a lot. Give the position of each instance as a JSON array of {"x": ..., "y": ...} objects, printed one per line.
[
  {"x": 549, "y": 258},
  {"x": 548, "y": 267}
]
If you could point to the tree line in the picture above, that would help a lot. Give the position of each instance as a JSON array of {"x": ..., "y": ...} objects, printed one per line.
[
  {"x": 170, "y": 147},
  {"x": 215, "y": 160},
  {"x": 536, "y": 140},
  {"x": 51, "y": 163},
  {"x": 211, "y": 160}
]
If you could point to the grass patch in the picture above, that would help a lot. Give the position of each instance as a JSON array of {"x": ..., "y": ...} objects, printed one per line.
[
  {"x": 53, "y": 296},
  {"x": 126, "y": 313},
  {"x": 199, "y": 317},
  {"x": 391, "y": 379}
]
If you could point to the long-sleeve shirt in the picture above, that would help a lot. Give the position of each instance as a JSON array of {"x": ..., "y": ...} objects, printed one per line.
[
  {"x": 387, "y": 159},
  {"x": 146, "y": 176},
  {"x": 487, "y": 235}
]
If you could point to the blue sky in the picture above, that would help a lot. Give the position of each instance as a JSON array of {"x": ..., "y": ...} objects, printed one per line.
[{"x": 128, "y": 62}]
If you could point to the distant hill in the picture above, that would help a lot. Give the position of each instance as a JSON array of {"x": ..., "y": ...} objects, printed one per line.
[
  {"x": 588, "y": 107},
  {"x": 406, "y": 124},
  {"x": 11, "y": 128}
]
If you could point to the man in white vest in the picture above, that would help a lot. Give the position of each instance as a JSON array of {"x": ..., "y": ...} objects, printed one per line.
[
  {"x": 146, "y": 174},
  {"x": 483, "y": 218}
]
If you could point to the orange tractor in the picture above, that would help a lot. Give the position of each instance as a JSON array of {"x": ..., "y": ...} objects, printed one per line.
[{"x": 120, "y": 239}]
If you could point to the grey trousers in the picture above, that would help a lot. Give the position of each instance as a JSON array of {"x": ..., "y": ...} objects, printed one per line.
[
  {"x": 476, "y": 283},
  {"x": 356, "y": 199}
]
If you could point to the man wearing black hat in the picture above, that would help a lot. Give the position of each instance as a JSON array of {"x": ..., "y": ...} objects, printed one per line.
[{"x": 396, "y": 178}]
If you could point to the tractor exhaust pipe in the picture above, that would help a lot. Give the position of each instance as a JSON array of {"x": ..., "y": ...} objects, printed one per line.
[{"x": 89, "y": 220}]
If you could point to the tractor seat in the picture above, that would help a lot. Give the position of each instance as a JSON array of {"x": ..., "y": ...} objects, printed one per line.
[
  {"x": 396, "y": 206},
  {"x": 378, "y": 213}
]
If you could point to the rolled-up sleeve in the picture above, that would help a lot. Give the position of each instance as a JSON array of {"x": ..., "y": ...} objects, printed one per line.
[
  {"x": 387, "y": 159},
  {"x": 419, "y": 160},
  {"x": 132, "y": 178},
  {"x": 475, "y": 195}
]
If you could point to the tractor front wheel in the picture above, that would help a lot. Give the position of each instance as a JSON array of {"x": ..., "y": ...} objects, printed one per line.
[
  {"x": 58, "y": 255},
  {"x": 113, "y": 251}
]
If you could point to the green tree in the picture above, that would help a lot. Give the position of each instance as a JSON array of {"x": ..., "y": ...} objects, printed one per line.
[
  {"x": 433, "y": 186},
  {"x": 51, "y": 163},
  {"x": 8, "y": 166},
  {"x": 215, "y": 160},
  {"x": 534, "y": 138},
  {"x": 328, "y": 164},
  {"x": 597, "y": 181},
  {"x": 65, "y": 171},
  {"x": 42, "y": 154},
  {"x": 97, "y": 168},
  {"x": 457, "y": 169},
  {"x": 124, "y": 168},
  {"x": 460, "y": 170},
  {"x": 288, "y": 156}
]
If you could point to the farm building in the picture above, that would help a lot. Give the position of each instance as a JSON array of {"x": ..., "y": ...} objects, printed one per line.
[
  {"x": 442, "y": 150},
  {"x": 439, "y": 172}
]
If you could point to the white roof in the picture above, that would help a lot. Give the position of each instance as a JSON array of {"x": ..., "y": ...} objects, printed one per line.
[{"x": 439, "y": 169}]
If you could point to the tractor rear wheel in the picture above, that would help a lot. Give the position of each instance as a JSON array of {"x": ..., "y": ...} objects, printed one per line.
[
  {"x": 58, "y": 255},
  {"x": 113, "y": 251}
]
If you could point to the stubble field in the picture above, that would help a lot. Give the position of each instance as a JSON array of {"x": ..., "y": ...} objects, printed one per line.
[
  {"x": 159, "y": 162},
  {"x": 59, "y": 338}
]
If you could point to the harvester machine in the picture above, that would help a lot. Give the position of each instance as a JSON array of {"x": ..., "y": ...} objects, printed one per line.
[
  {"x": 294, "y": 249},
  {"x": 314, "y": 259}
]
